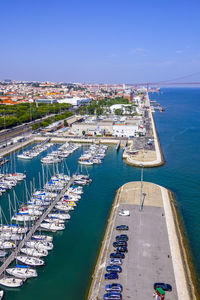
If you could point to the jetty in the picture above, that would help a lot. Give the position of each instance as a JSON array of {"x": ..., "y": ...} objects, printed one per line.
[
  {"x": 36, "y": 226},
  {"x": 155, "y": 249}
]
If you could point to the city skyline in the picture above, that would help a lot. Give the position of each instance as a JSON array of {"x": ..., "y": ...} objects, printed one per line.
[{"x": 104, "y": 42}]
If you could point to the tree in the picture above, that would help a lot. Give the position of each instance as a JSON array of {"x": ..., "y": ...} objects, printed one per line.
[
  {"x": 119, "y": 112},
  {"x": 99, "y": 111},
  {"x": 83, "y": 132}
]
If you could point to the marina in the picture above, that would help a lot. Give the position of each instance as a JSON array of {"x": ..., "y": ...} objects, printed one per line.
[
  {"x": 89, "y": 226},
  {"x": 35, "y": 151},
  {"x": 46, "y": 210}
]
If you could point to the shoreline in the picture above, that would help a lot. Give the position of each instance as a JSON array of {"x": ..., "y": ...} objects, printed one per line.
[
  {"x": 183, "y": 265},
  {"x": 38, "y": 139}
]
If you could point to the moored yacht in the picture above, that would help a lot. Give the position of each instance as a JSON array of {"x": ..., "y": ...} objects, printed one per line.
[
  {"x": 30, "y": 261},
  {"x": 22, "y": 272},
  {"x": 11, "y": 282}
]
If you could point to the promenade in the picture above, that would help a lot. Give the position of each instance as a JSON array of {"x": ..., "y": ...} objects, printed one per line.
[
  {"x": 147, "y": 158},
  {"x": 155, "y": 252}
]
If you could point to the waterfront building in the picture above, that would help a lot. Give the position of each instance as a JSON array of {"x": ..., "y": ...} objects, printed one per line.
[
  {"x": 75, "y": 101},
  {"x": 121, "y": 127}
]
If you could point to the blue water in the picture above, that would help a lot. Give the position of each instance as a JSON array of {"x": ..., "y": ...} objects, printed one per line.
[
  {"x": 179, "y": 131},
  {"x": 69, "y": 266}
]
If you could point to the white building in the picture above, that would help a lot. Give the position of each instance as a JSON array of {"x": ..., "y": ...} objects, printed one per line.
[
  {"x": 75, "y": 101},
  {"x": 125, "y": 130},
  {"x": 127, "y": 108}
]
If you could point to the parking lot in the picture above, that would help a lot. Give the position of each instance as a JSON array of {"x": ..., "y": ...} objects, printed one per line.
[
  {"x": 148, "y": 259},
  {"x": 142, "y": 142}
]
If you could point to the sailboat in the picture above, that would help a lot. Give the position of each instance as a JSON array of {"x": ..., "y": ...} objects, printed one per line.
[
  {"x": 52, "y": 226},
  {"x": 11, "y": 282},
  {"x": 59, "y": 216},
  {"x": 41, "y": 237},
  {"x": 30, "y": 261},
  {"x": 22, "y": 272},
  {"x": 34, "y": 252},
  {"x": 39, "y": 245}
]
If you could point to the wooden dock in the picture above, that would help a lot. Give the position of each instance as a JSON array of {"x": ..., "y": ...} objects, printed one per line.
[{"x": 28, "y": 236}]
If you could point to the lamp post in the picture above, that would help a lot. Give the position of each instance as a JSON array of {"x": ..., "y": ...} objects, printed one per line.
[{"x": 141, "y": 188}]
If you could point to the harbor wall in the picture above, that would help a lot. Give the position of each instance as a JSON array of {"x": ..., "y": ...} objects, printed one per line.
[
  {"x": 186, "y": 256},
  {"x": 183, "y": 266}
]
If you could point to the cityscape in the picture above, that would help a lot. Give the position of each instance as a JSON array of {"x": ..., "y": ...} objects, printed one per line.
[{"x": 99, "y": 139}]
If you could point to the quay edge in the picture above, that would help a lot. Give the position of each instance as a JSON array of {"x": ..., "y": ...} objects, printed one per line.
[
  {"x": 158, "y": 150},
  {"x": 183, "y": 266},
  {"x": 188, "y": 260}
]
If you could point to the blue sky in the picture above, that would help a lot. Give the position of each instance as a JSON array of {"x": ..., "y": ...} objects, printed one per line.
[{"x": 99, "y": 41}]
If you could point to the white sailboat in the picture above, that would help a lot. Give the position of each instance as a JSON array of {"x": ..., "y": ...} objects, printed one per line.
[
  {"x": 59, "y": 216},
  {"x": 7, "y": 245},
  {"x": 11, "y": 236},
  {"x": 34, "y": 252},
  {"x": 62, "y": 207},
  {"x": 30, "y": 261},
  {"x": 38, "y": 245},
  {"x": 52, "y": 226},
  {"x": 11, "y": 282},
  {"x": 41, "y": 237},
  {"x": 22, "y": 272},
  {"x": 23, "y": 217},
  {"x": 54, "y": 221}
]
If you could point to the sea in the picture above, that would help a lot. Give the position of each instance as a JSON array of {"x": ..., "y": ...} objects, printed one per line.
[{"x": 69, "y": 266}]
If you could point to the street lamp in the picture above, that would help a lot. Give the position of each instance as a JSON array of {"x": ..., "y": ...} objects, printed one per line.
[{"x": 141, "y": 188}]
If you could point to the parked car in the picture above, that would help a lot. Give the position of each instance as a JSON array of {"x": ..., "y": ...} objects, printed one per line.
[
  {"x": 112, "y": 296},
  {"x": 114, "y": 287},
  {"x": 112, "y": 275},
  {"x": 122, "y": 237},
  {"x": 117, "y": 255},
  {"x": 115, "y": 268},
  {"x": 120, "y": 243},
  {"x": 122, "y": 227},
  {"x": 122, "y": 249},
  {"x": 115, "y": 261},
  {"x": 164, "y": 286},
  {"x": 125, "y": 213}
]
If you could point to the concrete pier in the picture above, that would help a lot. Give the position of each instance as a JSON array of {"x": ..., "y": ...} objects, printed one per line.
[
  {"x": 28, "y": 236},
  {"x": 154, "y": 247},
  {"x": 147, "y": 158}
]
